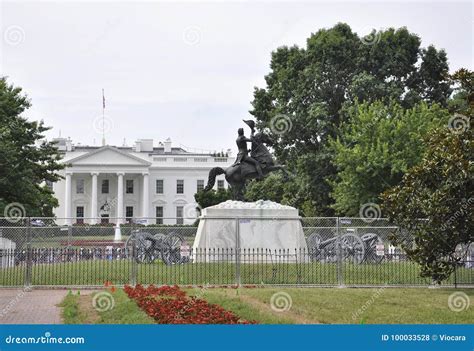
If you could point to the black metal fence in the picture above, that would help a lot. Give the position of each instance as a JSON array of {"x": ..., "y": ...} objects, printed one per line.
[{"x": 338, "y": 252}]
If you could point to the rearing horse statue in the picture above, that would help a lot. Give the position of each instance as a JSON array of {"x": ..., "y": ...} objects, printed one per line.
[{"x": 237, "y": 174}]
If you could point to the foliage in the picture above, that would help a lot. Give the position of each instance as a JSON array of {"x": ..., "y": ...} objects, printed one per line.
[
  {"x": 309, "y": 91},
  {"x": 285, "y": 191},
  {"x": 463, "y": 99},
  {"x": 27, "y": 160},
  {"x": 269, "y": 188},
  {"x": 212, "y": 197},
  {"x": 171, "y": 305},
  {"x": 434, "y": 202},
  {"x": 378, "y": 144}
]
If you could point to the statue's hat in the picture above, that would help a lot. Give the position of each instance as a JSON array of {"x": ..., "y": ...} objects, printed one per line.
[{"x": 250, "y": 123}]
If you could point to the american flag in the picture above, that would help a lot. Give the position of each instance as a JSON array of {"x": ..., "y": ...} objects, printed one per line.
[{"x": 103, "y": 99}]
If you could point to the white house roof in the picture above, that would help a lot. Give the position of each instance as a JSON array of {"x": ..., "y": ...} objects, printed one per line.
[{"x": 108, "y": 155}]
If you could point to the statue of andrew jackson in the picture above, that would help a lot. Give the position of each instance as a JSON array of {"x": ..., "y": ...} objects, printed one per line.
[{"x": 257, "y": 165}]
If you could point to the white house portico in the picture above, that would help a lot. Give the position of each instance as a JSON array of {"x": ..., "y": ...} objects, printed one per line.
[{"x": 120, "y": 183}]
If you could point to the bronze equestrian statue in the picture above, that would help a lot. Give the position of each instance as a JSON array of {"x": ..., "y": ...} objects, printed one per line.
[{"x": 256, "y": 166}]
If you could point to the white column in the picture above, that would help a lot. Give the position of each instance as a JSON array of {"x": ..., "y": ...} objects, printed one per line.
[
  {"x": 94, "y": 213},
  {"x": 145, "y": 197},
  {"x": 119, "y": 211},
  {"x": 68, "y": 198}
]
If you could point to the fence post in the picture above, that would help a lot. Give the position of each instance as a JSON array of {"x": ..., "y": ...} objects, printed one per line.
[
  {"x": 29, "y": 260},
  {"x": 237, "y": 252},
  {"x": 340, "y": 278},
  {"x": 134, "y": 263},
  {"x": 69, "y": 236},
  {"x": 455, "y": 276}
]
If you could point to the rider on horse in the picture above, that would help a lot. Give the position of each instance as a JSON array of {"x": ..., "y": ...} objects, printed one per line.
[{"x": 242, "y": 155}]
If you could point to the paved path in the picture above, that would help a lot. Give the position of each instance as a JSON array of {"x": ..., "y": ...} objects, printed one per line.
[{"x": 33, "y": 307}]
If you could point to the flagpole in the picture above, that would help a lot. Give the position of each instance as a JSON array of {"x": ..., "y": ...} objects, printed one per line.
[{"x": 103, "y": 117}]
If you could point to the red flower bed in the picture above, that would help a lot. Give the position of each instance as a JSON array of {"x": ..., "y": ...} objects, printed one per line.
[{"x": 171, "y": 305}]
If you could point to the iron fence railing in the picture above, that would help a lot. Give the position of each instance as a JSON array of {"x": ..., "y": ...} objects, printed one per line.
[{"x": 338, "y": 252}]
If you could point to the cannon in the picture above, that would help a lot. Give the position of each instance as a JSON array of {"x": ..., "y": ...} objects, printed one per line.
[
  {"x": 354, "y": 249},
  {"x": 146, "y": 248}
]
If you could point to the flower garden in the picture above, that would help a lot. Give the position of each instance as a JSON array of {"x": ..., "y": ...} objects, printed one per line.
[{"x": 171, "y": 305}]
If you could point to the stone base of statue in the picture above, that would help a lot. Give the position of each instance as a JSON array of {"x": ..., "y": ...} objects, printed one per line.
[{"x": 261, "y": 231}]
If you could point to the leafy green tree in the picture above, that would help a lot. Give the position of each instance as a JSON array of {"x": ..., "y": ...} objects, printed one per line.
[
  {"x": 212, "y": 197},
  {"x": 463, "y": 99},
  {"x": 434, "y": 202},
  {"x": 309, "y": 92},
  {"x": 285, "y": 191},
  {"x": 27, "y": 160},
  {"x": 377, "y": 145},
  {"x": 270, "y": 188}
]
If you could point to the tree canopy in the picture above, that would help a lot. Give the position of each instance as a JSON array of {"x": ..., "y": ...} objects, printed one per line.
[
  {"x": 377, "y": 145},
  {"x": 434, "y": 203},
  {"x": 27, "y": 159},
  {"x": 310, "y": 90}
]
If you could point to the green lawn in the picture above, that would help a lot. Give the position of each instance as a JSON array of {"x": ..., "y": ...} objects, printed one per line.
[
  {"x": 389, "y": 305},
  {"x": 308, "y": 306},
  {"x": 96, "y": 272},
  {"x": 79, "y": 309}
]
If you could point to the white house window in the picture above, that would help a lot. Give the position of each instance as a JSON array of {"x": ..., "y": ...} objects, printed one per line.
[
  {"x": 105, "y": 186},
  {"x": 220, "y": 184},
  {"x": 179, "y": 215},
  {"x": 180, "y": 186},
  {"x": 159, "y": 214},
  {"x": 80, "y": 186},
  {"x": 129, "y": 211},
  {"x": 129, "y": 186},
  {"x": 200, "y": 184},
  {"x": 80, "y": 214},
  {"x": 159, "y": 186}
]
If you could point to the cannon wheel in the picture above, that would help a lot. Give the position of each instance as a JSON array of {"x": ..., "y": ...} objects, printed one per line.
[
  {"x": 352, "y": 248},
  {"x": 171, "y": 250},
  {"x": 314, "y": 249},
  {"x": 144, "y": 244},
  {"x": 371, "y": 241}
]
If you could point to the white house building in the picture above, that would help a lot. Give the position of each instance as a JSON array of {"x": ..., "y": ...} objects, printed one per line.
[{"x": 117, "y": 184}]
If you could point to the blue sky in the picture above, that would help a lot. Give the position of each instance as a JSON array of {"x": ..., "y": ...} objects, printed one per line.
[{"x": 184, "y": 70}]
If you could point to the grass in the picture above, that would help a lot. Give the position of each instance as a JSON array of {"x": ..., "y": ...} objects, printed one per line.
[
  {"x": 369, "y": 306},
  {"x": 96, "y": 272},
  {"x": 79, "y": 309},
  {"x": 71, "y": 312},
  {"x": 308, "y": 306}
]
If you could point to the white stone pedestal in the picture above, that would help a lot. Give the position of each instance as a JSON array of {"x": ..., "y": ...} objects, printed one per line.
[{"x": 262, "y": 231}]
